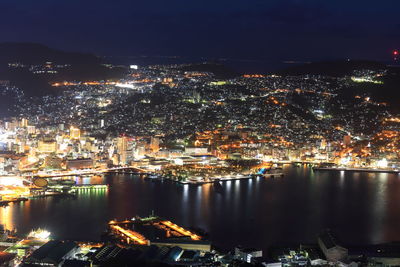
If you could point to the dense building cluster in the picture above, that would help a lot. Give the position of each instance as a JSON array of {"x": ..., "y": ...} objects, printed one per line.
[
  {"x": 267, "y": 117},
  {"x": 191, "y": 127}
]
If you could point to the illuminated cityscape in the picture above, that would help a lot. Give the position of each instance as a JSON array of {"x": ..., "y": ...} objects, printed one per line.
[{"x": 270, "y": 138}]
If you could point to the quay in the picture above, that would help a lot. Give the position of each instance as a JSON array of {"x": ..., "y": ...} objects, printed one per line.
[
  {"x": 371, "y": 170},
  {"x": 90, "y": 186},
  {"x": 80, "y": 187},
  {"x": 232, "y": 178},
  {"x": 16, "y": 200},
  {"x": 130, "y": 170},
  {"x": 156, "y": 231}
]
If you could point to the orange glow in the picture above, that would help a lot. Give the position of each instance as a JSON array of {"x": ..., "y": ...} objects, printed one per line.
[
  {"x": 181, "y": 230},
  {"x": 138, "y": 238},
  {"x": 6, "y": 218},
  {"x": 254, "y": 76},
  {"x": 58, "y": 84}
]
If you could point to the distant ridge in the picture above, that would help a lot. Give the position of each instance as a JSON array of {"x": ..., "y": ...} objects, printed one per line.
[
  {"x": 219, "y": 70},
  {"x": 33, "y": 53},
  {"x": 386, "y": 92},
  {"x": 336, "y": 68},
  {"x": 80, "y": 67}
]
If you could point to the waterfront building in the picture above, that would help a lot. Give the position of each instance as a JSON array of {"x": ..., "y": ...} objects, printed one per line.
[
  {"x": 122, "y": 147},
  {"x": 332, "y": 251},
  {"x": 383, "y": 255},
  {"x": 76, "y": 164},
  {"x": 8, "y": 259},
  {"x": 53, "y": 253},
  {"x": 247, "y": 254},
  {"x": 52, "y": 162}
]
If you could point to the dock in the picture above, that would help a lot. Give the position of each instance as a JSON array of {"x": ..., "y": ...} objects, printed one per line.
[
  {"x": 233, "y": 178},
  {"x": 129, "y": 170},
  {"x": 272, "y": 175},
  {"x": 156, "y": 231},
  {"x": 80, "y": 187},
  {"x": 371, "y": 170}
]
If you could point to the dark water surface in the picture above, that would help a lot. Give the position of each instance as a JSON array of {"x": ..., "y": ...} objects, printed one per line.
[{"x": 359, "y": 207}]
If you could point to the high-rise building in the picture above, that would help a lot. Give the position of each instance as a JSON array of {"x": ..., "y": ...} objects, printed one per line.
[
  {"x": 24, "y": 123},
  {"x": 155, "y": 144},
  {"x": 122, "y": 147},
  {"x": 122, "y": 144},
  {"x": 74, "y": 133}
]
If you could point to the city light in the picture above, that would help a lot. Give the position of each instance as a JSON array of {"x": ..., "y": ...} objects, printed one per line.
[
  {"x": 210, "y": 114},
  {"x": 40, "y": 234},
  {"x": 136, "y": 237},
  {"x": 383, "y": 163}
]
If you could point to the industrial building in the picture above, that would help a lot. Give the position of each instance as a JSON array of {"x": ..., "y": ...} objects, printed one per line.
[{"x": 157, "y": 231}]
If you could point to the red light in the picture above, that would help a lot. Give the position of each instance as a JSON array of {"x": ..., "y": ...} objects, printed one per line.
[{"x": 395, "y": 52}]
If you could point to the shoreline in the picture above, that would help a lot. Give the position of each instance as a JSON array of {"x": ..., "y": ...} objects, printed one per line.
[{"x": 371, "y": 170}]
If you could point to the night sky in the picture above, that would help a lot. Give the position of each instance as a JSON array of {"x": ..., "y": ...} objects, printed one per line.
[{"x": 248, "y": 29}]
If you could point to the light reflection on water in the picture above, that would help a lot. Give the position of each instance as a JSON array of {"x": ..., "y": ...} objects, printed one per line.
[
  {"x": 6, "y": 218},
  {"x": 360, "y": 207},
  {"x": 379, "y": 207}
]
